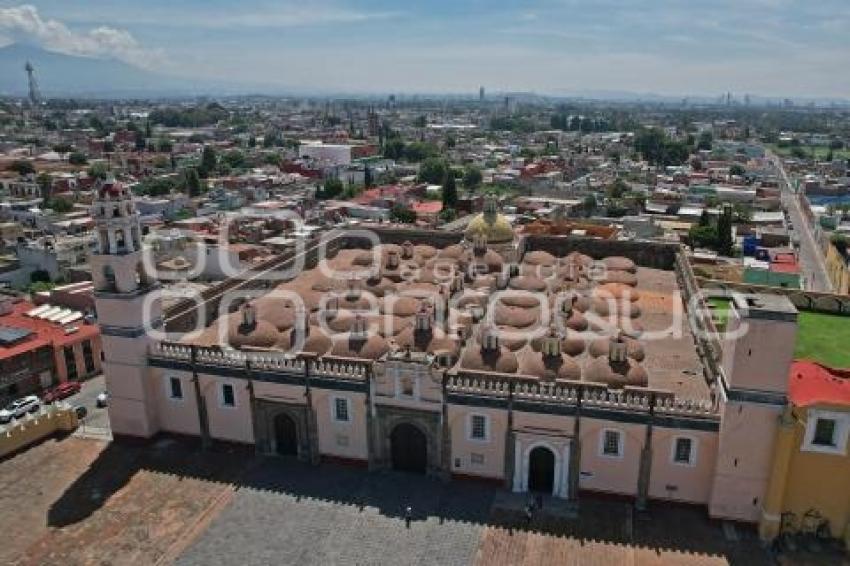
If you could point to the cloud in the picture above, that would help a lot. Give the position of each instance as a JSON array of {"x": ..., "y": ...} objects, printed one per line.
[{"x": 24, "y": 23}]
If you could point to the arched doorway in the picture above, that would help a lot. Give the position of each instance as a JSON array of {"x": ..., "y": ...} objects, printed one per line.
[
  {"x": 541, "y": 470},
  {"x": 409, "y": 449},
  {"x": 286, "y": 435}
]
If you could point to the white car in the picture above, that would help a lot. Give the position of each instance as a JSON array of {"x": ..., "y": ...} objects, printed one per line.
[
  {"x": 19, "y": 407},
  {"x": 102, "y": 399}
]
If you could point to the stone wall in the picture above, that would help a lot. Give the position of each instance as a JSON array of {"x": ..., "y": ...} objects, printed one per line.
[
  {"x": 804, "y": 300},
  {"x": 658, "y": 255},
  {"x": 33, "y": 427}
]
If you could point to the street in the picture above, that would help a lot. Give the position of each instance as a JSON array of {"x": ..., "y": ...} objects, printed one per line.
[
  {"x": 811, "y": 259},
  {"x": 96, "y": 423}
]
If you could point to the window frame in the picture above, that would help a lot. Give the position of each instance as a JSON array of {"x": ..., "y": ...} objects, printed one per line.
[
  {"x": 335, "y": 415},
  {"x": 840, "y": 432},
  {"x": 222, "y": 398},
  {"x": 470, "y": 428},
  {"x": 169, "y": 389},
  {"x": 621, "y": 443},
  {"x": 692, "y": 454}
]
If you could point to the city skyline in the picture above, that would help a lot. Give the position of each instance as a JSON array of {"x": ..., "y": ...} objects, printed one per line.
[{"x": 558, "y": 48}]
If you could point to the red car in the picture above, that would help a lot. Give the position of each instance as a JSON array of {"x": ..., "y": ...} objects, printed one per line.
[{"x": 65, "y": 389}]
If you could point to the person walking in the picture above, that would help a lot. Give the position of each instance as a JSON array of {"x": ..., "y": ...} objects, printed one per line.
[{"x": 408, "y": 516}]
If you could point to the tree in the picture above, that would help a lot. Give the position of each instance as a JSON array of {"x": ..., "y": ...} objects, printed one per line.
[
  {"x": 367, "y": 177},
  {"x": 589, "y": 205},
  {"x": 192, "y": 182},
  {"x": 402, "y": 215},
  {"x": 472, "y": 177},
  {"x": 141, "y": 140},
  {"x": 704, "y": 218},
  {"x": 77, "y": 158},
  {"x": 394, "y": 148},
  {"x": 60, "y": 205},
  {"x": 706, "y": 140},
  {"x": 420, "y": 121},
  {"x": 418, "y": 151},
  {"x": 234, "y": 159},
  {"x": 654, "y": 145},
  {"x": 332, "y": 189},
  {"x": 433, "y": 170},
  {"x": 702, "y": 236},
  {"x": 99, "y": 170},
  {"x": 449, "y": 190},
  {"x": 737, "y": 169},
  {"x": 725, "y": 241},
  {"x": 45, "y": 185},
  {"x": 21, "y": 167},
  {"x": 617, "y": 189},
  {"x": 208, "y": 161}
]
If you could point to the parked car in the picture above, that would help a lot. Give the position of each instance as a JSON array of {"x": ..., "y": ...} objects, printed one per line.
[
  {"x": 19, "y": 407},
  {"x": 62, "y": 391},
  {"x": 102, "y": 399}
]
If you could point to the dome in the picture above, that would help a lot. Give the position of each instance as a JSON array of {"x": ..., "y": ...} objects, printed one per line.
[
  {"x": 539, "y": 258},
  {"x": 602, "y": 346},
  {"x": 520, "y": 300},
  {"x": 500, "y": 360},
  {"x": 623, "y": 277},
  {"x": 491, "y": 260},
  {"x": 496, "y": 229},
  {"x": 527, "y": 283},
  {"x": 618, "y": 263},
  {"x": 548, "y": 367},
  {"x": 434, "y": 341},
  {"x": 425, "y": 251},
  {"x": 400, "y": 305},
  {"x": 618, "y": 291},
  {"x": 616, "y": 374},
  {"x": 277, "y": 311},
  {"x": 454, "y": 251},
  {"x": 351, "y": 346},
  {"x": 261, "y": 334},
  {"x": 379, "y": 286},
  {"x": 516, "y": 317},
  {"x": 315, "y": 342}
]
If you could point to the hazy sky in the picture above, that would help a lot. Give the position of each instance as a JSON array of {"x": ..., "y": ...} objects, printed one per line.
[{"x": 768, "y": 47}]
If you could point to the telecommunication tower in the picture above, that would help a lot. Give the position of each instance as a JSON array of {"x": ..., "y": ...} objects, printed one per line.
[{"x": 34, "y": 93}]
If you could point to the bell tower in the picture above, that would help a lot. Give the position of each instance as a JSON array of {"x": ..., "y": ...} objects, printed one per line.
[{"x": 125, "y": 313}]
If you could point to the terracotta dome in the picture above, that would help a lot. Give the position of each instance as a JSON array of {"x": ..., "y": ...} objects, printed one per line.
[
  {"x": 538, "y": 271},
  {"x": 579, "y": 301},
  {"x": 454, "y": 251},
  {"x": 435, "y": 341},
  {"x": 489, "y": 259},
  {"x": 576, "y": 258},
  {"x": 548, "y": 367},
  {"x": 520, "y": 300},
  {"x": 400, "y": 305},
  {"x": 619, "y": 263},
  {"x": 261, "y": 334},
  {"x": 379, "y": 286},
  {"x": 278, "y": 311},
  {"x": 323, "y": 284},
  {"x": 574, "y": 321},
  {"x": 539, "y": 258},
  {"x": 351, "y": 346},
  {"x": 315, "y": 342},
  {"x": 364, "y": 259},
  {"x": 616, "y": 374},
  {"x": 602, "y": 346},
  {"x": 424, "y": 251},
  {"x": 389, "y": 326},
  {"x": 484, "y": 283},
  {"x": 362, "y": 301},
  {"x": 526, "y": 283},
  {"x": 572, "y": 344},
  {"x": 615, "y": 276},
  {"x": 618, "y": 291},
  {"x": 609, "y": 306},
  {"x": 501, "y": 360},
  {"x": 419, "y": 290},
  {"x": 471, "y": 297},
  {"x": 514, "y": 316}
]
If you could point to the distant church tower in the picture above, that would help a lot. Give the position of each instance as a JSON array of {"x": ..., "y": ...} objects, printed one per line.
[{"x": 121, "y": 286}]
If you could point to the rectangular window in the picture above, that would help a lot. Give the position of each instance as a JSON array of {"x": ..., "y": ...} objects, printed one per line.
[
  {"x": 477, "y": 459},
  {"x": 228, "y": 396},
  {"x": 824, "y": 432},
  {"x": 175, "y": 388},
  {"x": 478, "y": 428},
  {"x": 611, "y": 443},
  {"x": 88, "y": 356},
  {"x": 683, "y": 451},
  {"x": 70, "y": 363},
  {"x": 341, "y": 409}
]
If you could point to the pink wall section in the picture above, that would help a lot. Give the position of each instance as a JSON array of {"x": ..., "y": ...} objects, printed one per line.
[
  {"x": 689, "y": 483},
  {"x": 228, "y": 423},
  {"x": 341, "y": 439},
  {"x": 493, "y": 450}
]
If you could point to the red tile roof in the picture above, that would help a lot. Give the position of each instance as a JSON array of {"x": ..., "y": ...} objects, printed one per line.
[
  {"x": 45, "y": 333},
  {"x": 811, "y": 383}
]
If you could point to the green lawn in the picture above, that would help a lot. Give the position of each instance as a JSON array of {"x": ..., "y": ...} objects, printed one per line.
[
  {"x": 719, "y": 311},
  {"x": 821, "y": 151},
  {"x": 823, "y": 338}
]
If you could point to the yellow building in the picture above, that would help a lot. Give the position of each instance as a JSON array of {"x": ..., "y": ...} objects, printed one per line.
[
  {"x": 837, "y": 269},
  {"x": 810, "y": 480}
]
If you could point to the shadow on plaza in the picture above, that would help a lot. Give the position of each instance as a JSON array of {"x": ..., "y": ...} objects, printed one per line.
[{"x": 665, "y": 527}]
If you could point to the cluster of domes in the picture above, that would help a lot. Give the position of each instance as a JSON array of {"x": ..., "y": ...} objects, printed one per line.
[{"x": 465, "y": 304}]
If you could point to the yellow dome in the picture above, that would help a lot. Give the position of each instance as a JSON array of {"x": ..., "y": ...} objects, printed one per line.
[{"x": 497, "y": 231}]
